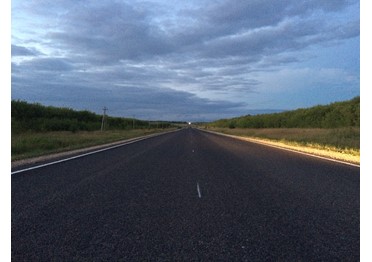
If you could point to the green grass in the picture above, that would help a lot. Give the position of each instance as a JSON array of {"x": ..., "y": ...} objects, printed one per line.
[
  {"x": 339, "y": 139},
  {"x": 32, "y": 144}
]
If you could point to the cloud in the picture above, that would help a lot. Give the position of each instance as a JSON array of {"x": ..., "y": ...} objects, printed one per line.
[
  {"x": 50, "y": 64},
  {"x": 259, "y": 13},
  {"x": 227, "y": 18},
  {"x": 292, "y": 88},
  {"x": 23, "y": 51},
  {"x": 289, "y": 35},
  {"x": 210, "y": 55},
  {"x": 110, "y": 32},
  {"x": 145, "y": 103}
]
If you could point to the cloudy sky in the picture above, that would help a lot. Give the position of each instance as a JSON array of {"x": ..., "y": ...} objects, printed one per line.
[{"x": 185, "y": 60}]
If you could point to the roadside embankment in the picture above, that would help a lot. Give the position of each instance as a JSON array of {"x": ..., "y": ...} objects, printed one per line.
[
  {"x": 33, "y": 146},
  {"x": 341, "y": 144}
]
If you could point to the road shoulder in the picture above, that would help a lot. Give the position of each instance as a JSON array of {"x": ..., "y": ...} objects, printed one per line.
[
  {"x": 314, "y": 152},
  {"x": 81, "y": 151}
]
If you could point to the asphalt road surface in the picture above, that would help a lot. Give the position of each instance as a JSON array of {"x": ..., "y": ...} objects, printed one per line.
[{"x": 187, "y": 196}]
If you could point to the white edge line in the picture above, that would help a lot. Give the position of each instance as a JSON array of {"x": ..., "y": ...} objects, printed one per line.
[
  {"x": 283, "y": 148},
  {"x": 91, "y": 153}
]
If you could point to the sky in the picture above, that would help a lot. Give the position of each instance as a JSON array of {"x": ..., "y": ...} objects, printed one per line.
[{"x": 185, "y": 60}]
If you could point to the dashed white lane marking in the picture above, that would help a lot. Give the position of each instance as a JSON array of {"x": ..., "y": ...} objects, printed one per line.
[{"x": 198, "y": 189}]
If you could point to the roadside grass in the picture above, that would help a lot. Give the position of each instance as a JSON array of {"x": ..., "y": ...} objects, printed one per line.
[
  {"x": 337, "y": 143},
  {"x": 33, "y": 144}
]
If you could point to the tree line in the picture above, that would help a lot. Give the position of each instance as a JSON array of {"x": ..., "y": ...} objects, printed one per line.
[
  {"x": 36, "y": 117},
  {"x": 334, "y": 115}
]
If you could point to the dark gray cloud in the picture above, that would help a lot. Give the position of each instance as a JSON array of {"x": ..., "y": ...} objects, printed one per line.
[
  {"x": 145, "y": 103},
  {"x": 110, "y": 32},
  {"x": 259, "y": 13},
  {"x": 113, "y": 31},
  {"x": 23, "y": 51},
  {"x": 228, "y": 18},
  {"x": 204, "y": 56},
  {"x": 48, "y": 64}
]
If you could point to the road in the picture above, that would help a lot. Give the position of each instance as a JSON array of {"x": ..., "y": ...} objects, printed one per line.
[{"x": 187, "y": 196}]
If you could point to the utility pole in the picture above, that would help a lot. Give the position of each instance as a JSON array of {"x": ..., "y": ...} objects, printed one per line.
[
  {"x": 103, "y": 118},
  {"x": 133, "y": 120}
]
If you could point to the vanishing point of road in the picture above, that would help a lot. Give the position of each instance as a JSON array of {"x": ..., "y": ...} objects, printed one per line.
[{"x": 187, "y": 196}]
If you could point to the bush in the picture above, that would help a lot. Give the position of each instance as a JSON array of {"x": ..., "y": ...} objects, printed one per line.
[
  {"x": 335, "y": 115},
  {"x": 39, "y": 118}
]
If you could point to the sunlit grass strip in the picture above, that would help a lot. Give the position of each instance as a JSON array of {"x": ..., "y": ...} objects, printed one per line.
[
  {"x": 347, "y": 155},
  {"x": 341, "y": 152},
  {"x": 34, "y": 144}
]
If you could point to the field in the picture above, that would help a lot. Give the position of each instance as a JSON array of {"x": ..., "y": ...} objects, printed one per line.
[
  {"x": 39, "y": 130},
  {"x": 334, "y": 115},
  {"x": 32, "y": 144},
  {"x": 340, "y": 143}
]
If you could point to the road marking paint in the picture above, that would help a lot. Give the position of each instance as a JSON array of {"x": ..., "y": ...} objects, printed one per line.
[
  {"x": 91, "y": 153},
  {"x": 198, "y": 189},
  {"x": 282, "y": 148},
  {"x": 74, "y": 157}
]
